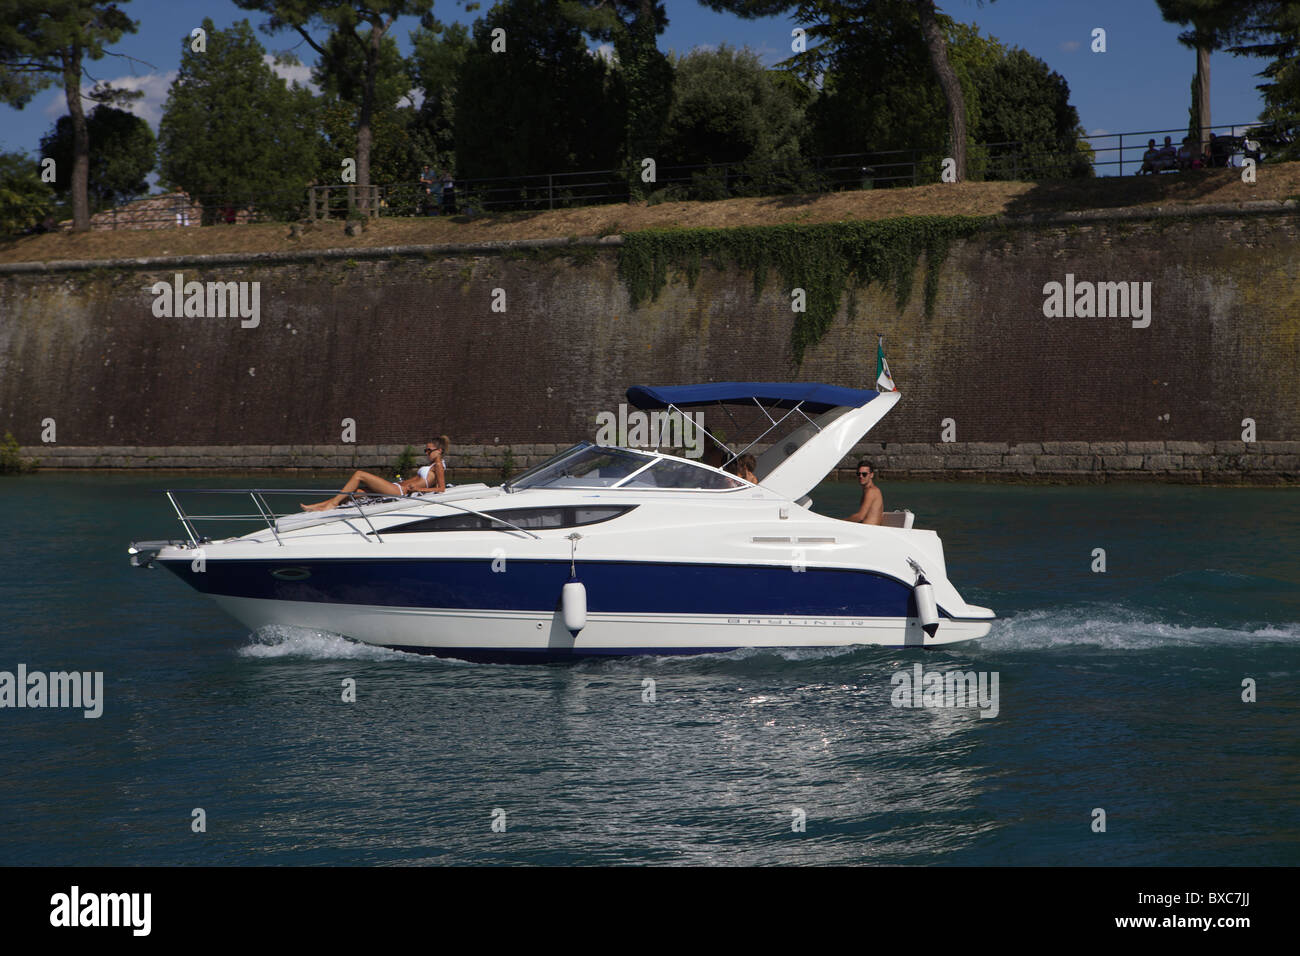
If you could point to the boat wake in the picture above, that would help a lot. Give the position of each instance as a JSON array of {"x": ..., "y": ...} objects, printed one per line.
[
  {"x": 1119, "y": 628},
  {"x": 1110, "y": 627},
  {"x": 281, "y": 640},
  {"x": 1219, "y": 580},
  {"x": 753, "y": 656}
]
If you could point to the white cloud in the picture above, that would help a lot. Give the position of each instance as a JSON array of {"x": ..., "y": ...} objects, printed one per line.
[
  {"x": 301, "y": 74},
  {"x": 292, "y": 73},
  {"x": 1099, "y": 132},
  {"x": 155, "y": 87},
  {"x": 605, "y": 51},
  {"x": 1069, "y": 46},
  {"x": 148, "y": 107}
]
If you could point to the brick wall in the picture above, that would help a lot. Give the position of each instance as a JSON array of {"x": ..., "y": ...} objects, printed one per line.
[
  {"x": 1264, "y": 462},
  {"x": 408, "y": 346}
]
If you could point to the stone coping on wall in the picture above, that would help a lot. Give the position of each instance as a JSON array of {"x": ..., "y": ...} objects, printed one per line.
[
  {"x": 1250, "y": 207},
  {"x": 308, "y": 255},
  {"x": 1266, "y": 462}
]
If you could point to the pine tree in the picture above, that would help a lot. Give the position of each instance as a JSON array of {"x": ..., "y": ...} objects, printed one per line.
[
  {"x": 232, "y": 132},
  {"x": 837, "y": 20},
  {"x": 361, "y": 24},
  {"x": 123, "y": 152},
  {"x": 1210, "y": 22},
  {"x": 632, "y": 26},
  {"x": 43, "y": 42}
]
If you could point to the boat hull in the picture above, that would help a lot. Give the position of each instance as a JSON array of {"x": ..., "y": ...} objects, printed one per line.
[
  {"x": 524, "y": 636},
  {"x": 464, "y": 608}
]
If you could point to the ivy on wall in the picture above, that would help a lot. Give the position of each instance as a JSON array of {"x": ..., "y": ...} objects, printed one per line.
[{"x": 823, "y": 259}]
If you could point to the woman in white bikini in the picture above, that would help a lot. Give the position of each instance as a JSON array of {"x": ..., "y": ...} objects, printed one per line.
[{"x": 431, "y": 477}]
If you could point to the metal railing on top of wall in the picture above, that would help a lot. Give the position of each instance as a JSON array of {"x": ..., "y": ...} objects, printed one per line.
[{"x": 1111, "y": 154}]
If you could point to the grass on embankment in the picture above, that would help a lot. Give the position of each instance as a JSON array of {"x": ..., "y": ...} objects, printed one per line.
[{"x": 974, "y": 199}]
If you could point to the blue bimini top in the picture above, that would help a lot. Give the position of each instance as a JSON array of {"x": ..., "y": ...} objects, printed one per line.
[{"x": 813, "y": 396}]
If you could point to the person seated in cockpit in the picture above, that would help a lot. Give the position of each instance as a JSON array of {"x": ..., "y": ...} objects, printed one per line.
[
  {"x": 743, "y": 468},
  {"x": 872, "y": 508},
  {"x": 715, "y": 453}
]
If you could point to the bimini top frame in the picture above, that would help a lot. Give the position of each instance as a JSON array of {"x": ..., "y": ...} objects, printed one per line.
[{"x": 797, "y": 397}]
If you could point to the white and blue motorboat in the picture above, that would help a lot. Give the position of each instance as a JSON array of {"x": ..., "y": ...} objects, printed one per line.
[{"x": 601, "y": 550}]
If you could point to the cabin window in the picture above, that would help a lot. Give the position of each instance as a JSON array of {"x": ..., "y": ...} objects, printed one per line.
[{"x": 533, "y": 519}]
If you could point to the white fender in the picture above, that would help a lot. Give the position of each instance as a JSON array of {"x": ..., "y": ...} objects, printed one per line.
[
  {"x": 926, "y": 608},
  {"x": 573, "y": 602}
]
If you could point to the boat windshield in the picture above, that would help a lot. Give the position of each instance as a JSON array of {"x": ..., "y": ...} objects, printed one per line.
[
  {"x": 597, "y": 466},
  {"x": 584, "y": 466},
  {"x": 667, "y": 473}
]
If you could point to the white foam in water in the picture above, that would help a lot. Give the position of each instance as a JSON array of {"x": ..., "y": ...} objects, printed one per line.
[
  {"x": 1110, "y": 627},
  {"x": 791, "y": 654},
  {"x": 286, "y": 641},
  {"x": 795, "y": 654},
  {"x": 1121, "y": 629}
]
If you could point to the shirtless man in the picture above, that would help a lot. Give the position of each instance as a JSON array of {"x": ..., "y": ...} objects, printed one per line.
[{"x": 872, "y": 508}]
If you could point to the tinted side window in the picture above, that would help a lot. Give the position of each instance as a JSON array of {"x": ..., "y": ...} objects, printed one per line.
[{"x": 567, "y": 516}]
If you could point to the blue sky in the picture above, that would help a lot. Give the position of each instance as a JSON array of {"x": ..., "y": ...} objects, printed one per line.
[{"x": 1141, "y": 82}]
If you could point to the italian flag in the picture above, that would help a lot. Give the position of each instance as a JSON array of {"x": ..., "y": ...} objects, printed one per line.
[{"x": 884, "y": 381}]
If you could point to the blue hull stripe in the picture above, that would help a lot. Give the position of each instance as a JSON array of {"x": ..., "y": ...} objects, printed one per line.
[{"x": 613, "y": 587}]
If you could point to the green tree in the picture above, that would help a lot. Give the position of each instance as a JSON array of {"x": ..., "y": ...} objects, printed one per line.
[
  {"x": 393, "y": 153},
  {"x": 953, "y": 97},
  {"x": 879, "y": 93},
  {"x": 438, "y": 54},
  {"x": 1210, "y": 23},
  {"x": 123, "y": 151},
  {"x": 24, "y": 199},
  {"x": 341, "y": 70},
  {"x": 1023, "y": 102},
  {"x": 646, "y": 74},
  {"x": 361, "y": 24},
  {"x": 48, "y": 41},
  {"x": 728, "y": 109},
  {"x": 233, "y": 132},
  {"x": 1195, "y": 132},
  {"x": 543, "y": 104},
  {"x": 1271, "y": 28},
  {"x": 838, "y": 22}
]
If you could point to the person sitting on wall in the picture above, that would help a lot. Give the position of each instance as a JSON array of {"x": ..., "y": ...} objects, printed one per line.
[
  {"x": 431, "y": 477},
  {"x": 1188, "y": 157},
  {"x": 872, "y": 508},
  {"x": 1168, "y": 156},
  {"x": 1149, "y": 158}
]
